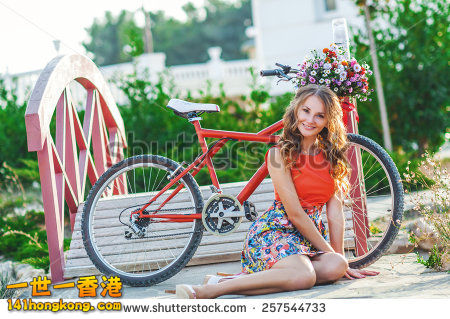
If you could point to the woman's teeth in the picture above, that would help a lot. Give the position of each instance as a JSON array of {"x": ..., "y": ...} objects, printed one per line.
[{"x": 308, "y": 127}]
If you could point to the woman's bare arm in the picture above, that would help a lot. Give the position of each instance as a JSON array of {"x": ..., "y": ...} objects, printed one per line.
[
  {"x": 336, "y": 223},
  {"x": 336, "y": 226},
  {"x": 282, "y": 181}
]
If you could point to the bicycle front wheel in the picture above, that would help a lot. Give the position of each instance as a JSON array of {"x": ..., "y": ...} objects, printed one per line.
[
  {"x": 374, "y": 207},
  {"x": 141, "y": 251}
]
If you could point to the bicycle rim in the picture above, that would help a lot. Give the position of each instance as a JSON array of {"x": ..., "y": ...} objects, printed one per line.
[{"x": 164, "y": 245}]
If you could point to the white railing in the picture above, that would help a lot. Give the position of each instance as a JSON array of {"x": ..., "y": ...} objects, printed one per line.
[{"x": 233, "y": 75}]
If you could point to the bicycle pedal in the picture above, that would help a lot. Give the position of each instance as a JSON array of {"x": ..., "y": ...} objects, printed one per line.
[{"x": 250, "y": 211}]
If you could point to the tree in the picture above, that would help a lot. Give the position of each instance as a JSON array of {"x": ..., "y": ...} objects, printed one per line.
[
  {"x": 114, "y": 39},
  {"x": 376, "y": 72},
  {"x": 186, "y": 42},
  {"x": 412, "y": 42}
]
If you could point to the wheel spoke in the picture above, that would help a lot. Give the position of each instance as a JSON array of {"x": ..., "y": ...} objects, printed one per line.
[
  {"x": 143, "y": 256},
  {"x": 375, "y": 203}
]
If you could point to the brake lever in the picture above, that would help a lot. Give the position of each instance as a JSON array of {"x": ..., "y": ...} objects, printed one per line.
[{"x": 285, "y": 76}]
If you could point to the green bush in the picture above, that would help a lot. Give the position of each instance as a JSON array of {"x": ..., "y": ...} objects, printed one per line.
[
  {"x": 413, "y": 61},
  {"x": 13, "y": 137},
  {"x": 23, "y": 238}
]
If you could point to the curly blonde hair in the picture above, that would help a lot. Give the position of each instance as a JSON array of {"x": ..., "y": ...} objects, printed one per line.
[{"x": 332, "y": 139}]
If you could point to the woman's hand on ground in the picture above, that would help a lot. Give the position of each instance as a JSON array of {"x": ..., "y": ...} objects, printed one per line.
[{"x": 359, "y": 273}]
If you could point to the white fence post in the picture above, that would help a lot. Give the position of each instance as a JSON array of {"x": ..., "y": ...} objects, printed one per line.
[
  {"x": 155, "y": 63},
  {"x": 215, "y": 65}
]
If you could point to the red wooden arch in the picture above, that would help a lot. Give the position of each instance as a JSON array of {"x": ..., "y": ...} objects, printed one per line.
[{"x": 65, "y": 160}]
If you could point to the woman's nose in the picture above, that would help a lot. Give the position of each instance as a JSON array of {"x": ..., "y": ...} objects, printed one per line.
[{"x": 310, "y": 118}]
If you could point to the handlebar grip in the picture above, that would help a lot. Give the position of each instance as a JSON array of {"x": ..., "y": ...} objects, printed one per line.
[{"x": 269, "y": 72}]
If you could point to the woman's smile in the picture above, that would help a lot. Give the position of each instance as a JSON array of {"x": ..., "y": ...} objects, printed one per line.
[{"x": 308, "y": 127}]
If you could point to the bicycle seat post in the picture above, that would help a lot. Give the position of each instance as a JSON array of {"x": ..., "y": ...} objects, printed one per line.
[{"x": 193, "y": 116}]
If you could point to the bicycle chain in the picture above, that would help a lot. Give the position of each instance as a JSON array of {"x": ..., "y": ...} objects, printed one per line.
[{"x": 158, "y": 236}]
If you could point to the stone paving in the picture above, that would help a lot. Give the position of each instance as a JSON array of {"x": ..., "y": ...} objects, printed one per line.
[{"x": 400, "y": 277}]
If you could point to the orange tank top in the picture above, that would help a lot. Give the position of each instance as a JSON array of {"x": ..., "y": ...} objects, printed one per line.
[{"x": 312, "y": 179}]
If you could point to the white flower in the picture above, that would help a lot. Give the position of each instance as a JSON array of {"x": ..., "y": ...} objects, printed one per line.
[
  {"x": 321, "y": 81},
  {"x": 333, "y": 47},
  {"x": 313, "y": 72},
  {"x": 357, "y": 67},
  {"x": 335, "y": 89},
  {"x": 327, "y": 66},
  {"x": 327, "y": 81}
]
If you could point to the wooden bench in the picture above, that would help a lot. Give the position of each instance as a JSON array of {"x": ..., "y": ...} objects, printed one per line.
[{"x": 212, "y": 249}]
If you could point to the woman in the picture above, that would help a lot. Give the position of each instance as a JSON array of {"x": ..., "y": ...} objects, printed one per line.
[{"x": 286, "y": 248}]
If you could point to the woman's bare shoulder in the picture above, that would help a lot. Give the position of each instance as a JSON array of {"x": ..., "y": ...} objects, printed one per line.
[
  {"x": 274, "y": 157},
  {"x": 275, "y": 162}
]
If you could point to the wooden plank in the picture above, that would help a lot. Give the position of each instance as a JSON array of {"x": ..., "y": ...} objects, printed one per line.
[
  {"x": 112, "y": 245},
  {"x": 83, "y": 266},
  {"x": 160, "y": 256},
  {"x": 131, "y": 249}
]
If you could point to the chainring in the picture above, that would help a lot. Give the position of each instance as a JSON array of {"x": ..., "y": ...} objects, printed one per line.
[{"x": 217, "y": 214}]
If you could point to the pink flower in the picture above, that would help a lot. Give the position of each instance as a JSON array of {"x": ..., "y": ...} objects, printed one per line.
[
  {"x": 348, "y": 83},
  {"x": 303, "y": 82},
  {"x": 315, "y": 66},
  {"x": 312, "y": 80},
  {"x": 350, "y": 90}
]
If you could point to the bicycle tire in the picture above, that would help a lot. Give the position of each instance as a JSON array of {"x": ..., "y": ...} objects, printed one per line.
[
  {"x": 150, "y": 278},
  {"x": 397, "y": 201}
]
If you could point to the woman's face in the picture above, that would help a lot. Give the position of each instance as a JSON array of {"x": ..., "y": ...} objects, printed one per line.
[{"x": 311, "y": 117}]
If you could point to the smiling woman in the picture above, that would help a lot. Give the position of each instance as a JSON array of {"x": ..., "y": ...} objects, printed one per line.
[{"x": 286, "y": 248}]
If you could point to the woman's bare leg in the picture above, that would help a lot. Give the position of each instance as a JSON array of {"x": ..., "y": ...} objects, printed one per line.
[
  {"x": 329, "y": 267},
  {"x": 290, "y": 273}
]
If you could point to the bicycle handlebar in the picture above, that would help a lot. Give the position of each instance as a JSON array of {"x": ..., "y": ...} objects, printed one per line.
[
  {"x": 282, "y": 72},
  {"x": 270, "y": 72}
]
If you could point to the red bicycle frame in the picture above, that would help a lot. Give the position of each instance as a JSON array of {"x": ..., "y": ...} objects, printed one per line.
[{"x": 263, "y": 136}]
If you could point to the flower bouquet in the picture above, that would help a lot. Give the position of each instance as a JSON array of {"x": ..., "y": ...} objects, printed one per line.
[{"x": 347, "y": 78}]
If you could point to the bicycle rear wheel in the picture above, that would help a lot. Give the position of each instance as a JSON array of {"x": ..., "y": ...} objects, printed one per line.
[
  {"x": 375, "y": 204},
  {"x": 143, "y": 251}
]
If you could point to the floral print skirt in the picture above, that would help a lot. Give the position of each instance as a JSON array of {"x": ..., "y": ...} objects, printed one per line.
[{"x": 272, "y": 237}]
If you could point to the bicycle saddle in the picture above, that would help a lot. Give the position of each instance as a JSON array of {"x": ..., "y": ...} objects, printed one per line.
[{"x": 182, "y": 108}]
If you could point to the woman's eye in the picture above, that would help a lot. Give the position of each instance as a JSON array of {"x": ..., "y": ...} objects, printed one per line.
[{"x": 321, "y": 116}]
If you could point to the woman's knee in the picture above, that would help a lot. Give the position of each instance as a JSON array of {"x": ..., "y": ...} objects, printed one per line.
[
  {"x": 298, "y": 272},
  {"x": 300, "y": 279},
  {"x": 336, "y": 267}
]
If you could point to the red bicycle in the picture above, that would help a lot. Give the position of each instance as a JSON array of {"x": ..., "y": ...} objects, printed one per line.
[{"x": 161, "y": 218}]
